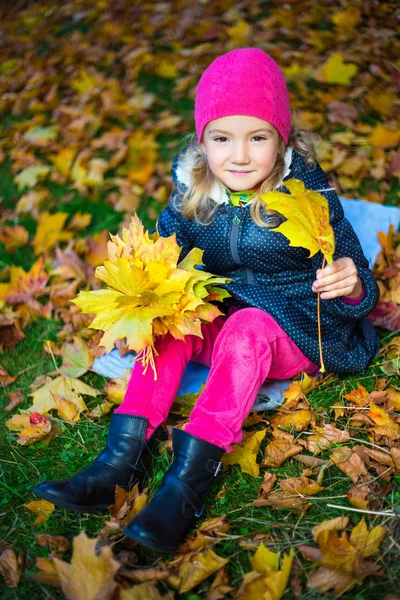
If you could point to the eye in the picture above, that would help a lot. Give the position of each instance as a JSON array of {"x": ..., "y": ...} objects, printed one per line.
[
  {"x": 259, "y": 137},
  {"x": 219, "y": 138}
]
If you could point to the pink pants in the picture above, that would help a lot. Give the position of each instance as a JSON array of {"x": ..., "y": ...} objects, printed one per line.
[{"x": 242, "y": 348}]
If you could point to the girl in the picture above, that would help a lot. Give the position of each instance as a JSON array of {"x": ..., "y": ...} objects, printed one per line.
[{"x": 245, "y": 147}]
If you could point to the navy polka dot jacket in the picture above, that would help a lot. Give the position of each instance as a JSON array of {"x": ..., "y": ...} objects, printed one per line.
[{"x": 269, "y": 274}]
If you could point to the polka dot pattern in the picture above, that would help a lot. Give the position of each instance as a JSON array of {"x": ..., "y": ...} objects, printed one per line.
[{"x": 269, "y": 274}]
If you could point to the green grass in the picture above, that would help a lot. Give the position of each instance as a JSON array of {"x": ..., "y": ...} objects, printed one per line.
[{"x": 77, "y": 445}]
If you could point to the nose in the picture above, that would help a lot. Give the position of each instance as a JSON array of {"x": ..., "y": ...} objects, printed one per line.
[{"x": 240, "y": 153}]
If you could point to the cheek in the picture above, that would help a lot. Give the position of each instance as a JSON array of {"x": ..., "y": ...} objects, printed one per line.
[
  {"x": 268, "y": 161},
  {"x": 216, "y": 159}
]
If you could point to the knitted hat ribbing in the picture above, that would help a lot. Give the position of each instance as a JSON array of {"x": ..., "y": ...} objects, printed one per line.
[{"x": 246, "y": 81}]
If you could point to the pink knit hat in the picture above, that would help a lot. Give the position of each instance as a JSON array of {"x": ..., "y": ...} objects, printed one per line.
[{"x": 245, "y": 81}]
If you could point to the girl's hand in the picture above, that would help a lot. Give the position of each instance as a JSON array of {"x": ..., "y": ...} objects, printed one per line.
[{"x": 338, "y": 279}]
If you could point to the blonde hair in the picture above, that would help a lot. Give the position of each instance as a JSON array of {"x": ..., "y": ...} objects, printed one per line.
[{"x": 195, "y": 202}]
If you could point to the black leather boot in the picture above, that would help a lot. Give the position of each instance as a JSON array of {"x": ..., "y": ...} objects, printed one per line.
[
  {"x": 124, "y": 462},
  {"x": 163, "y": 524}
]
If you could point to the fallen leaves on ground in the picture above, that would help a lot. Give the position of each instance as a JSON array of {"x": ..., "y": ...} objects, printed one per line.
[
  {"x": 245, "y": 453},
  {"x": 191, "y": 569},
  {"x": 266, "y": 580},
  {"x": 342, "y": 559},
  {"x": 88, "y": 575}
]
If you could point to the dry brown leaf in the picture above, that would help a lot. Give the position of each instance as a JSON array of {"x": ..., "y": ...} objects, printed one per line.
[
  {"x": 11, "y": 567},
  {"x": 283, "y": 500},
  {"x": 350, "y": 463},
  {"x": 208, "y": 533},
  {"x": 297, "y": 420},
  {"x": 15, "y": 399},
  {"x": 338, "y": 524},
  {"x": 267, "y": 485},
  {"x": 393, "y": 399},
  {"x": 395, "y": 455},
  {"x": 56, "y": 542},
  {"x": 300, "y": 485},
  {"x": 157, "y": 573},
  {"x": 342, "y": 558},
  {"x": 5, "y": 378},
  {"x": 325, "y": 437},
  {"x": 220, "y": 586},
  {"x": 358, "y": 495},
  {"x": 278, "y": 451},
  {"x": 360, "y": 396},
  {"x": 128, "y": 503}
]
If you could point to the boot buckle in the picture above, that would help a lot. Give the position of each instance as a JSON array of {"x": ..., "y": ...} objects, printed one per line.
[
  {"x": 199, "y": 513},
  {"x": 213, "y": 466},
  {"x": 217, "y": 470}
]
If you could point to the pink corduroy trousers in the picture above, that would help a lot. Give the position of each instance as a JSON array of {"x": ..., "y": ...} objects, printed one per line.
[{"x": 242, "y": 349}]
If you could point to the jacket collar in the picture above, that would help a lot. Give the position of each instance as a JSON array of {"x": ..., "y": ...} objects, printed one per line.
[{"x": 182, "y": 175}]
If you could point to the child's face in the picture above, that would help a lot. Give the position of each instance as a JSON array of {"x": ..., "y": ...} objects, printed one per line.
[{"x": 241, "y": 150}]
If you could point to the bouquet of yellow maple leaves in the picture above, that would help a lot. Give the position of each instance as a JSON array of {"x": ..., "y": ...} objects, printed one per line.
[{"x": 149, "y": 294}]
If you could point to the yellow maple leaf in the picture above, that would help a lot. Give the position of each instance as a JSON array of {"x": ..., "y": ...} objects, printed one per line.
[
  {"x": 24, "y": 286},
  {"x": 31, "y": 427},
  {"x": 88, "y": 576},
  {"x": 41, "y": 508},
  {"x": 193, "y": 571},
  {"x": 240, "y": 33},
  {"x": 245, "y": 453},
  {"x": 13, "y": 237},
  {"x": 266, "y": 580},
  {"x": 383, "y": 137},
  {"x": 341, "y": 558},
  {"x": 307, "y": 214},
  {"x": 68, "y": 388},
  {"x": 334, "y": 70},
  {"x": 50, "y": 231},
  {"x": 63, "y": 160}
]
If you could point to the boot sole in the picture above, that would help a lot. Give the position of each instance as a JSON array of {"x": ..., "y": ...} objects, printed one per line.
[
  {"x": 70, "y": 505},
  {"x": 147, "y": 543}
]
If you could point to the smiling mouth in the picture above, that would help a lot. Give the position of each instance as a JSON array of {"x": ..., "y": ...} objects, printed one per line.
[{"x": 240, "y": 171}]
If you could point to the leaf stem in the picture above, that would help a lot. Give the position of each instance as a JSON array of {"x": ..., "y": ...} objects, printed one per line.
[{"x": 322, "y": 369}]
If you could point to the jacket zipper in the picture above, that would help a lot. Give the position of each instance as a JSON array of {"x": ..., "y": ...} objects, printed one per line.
[{"x": 233, "y": 243}]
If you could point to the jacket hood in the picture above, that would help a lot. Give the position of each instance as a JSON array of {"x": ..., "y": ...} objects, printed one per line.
[{"x": 181, "y": 174}]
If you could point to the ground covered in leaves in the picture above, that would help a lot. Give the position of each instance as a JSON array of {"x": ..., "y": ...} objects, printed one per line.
[{"x": 95, "y": 100}]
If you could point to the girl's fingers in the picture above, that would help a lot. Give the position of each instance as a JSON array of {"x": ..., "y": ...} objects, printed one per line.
[
  {"x": 336, "y": 277},
  {"x": 336, "y": 293},
  {"x": 349, "y": 283}
]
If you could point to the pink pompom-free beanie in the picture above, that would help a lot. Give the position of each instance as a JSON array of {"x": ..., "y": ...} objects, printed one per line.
[{"x": 246, "y": 81}]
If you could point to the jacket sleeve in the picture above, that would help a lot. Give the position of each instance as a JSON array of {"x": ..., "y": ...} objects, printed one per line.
[
  {"x": 170, "y": 221},
  {"x": 346, "y": 245}
]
